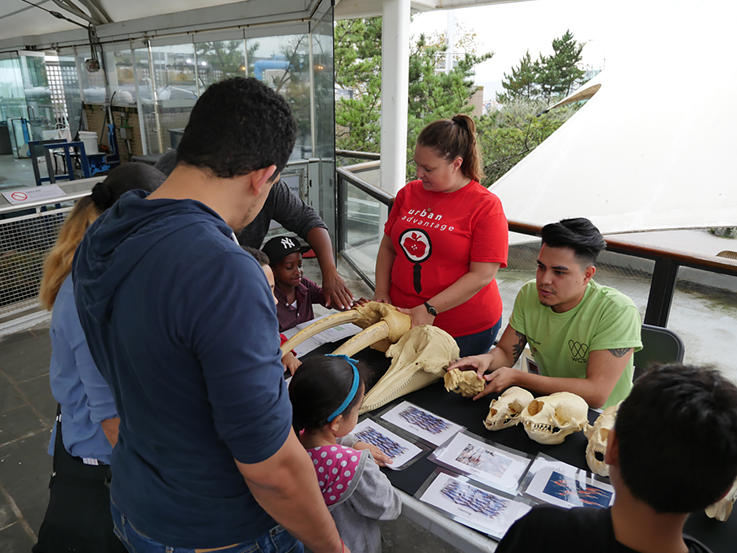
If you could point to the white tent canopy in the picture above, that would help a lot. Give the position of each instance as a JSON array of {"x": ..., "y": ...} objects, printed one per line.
[{"x": 655, "y": 148}]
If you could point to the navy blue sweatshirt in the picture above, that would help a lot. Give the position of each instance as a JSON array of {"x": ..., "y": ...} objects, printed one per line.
[{"x": 181, "y": 323}]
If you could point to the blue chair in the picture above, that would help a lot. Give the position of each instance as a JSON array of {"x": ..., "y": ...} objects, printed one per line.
[{"x": 659, "y": 345}]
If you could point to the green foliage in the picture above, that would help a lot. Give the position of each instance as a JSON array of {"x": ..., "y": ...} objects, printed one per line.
[
  {"x": 433, "y": 94},
  {"x": 226, "y": 57},
  {"x": 358, "y": 69},
  {"x": 508, "y": 135},
  {"x": 521, "y": 84},
  {"x": 547, "y": 77}
]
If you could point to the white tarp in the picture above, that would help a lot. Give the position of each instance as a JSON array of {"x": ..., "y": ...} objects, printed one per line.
[{"x": 656, "y": 147}]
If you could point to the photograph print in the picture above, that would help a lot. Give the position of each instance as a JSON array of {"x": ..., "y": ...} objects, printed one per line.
[
  {"x": 565, "y": 490},
  {"x": 421, "y": 423},
  {"x": 473, "y": 506},
  {"x": 487, "y": 463},
  {"x": 400, "y": 451}
]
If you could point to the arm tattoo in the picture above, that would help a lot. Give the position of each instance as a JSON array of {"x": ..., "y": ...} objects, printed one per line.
[
  {"x": 519, "y": 347},
  {"x": 621, "y": 352}
]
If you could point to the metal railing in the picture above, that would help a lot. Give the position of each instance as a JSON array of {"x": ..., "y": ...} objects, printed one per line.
[
  {"x": 661, "y": 272},
  {"x": 29, "y": 230}
]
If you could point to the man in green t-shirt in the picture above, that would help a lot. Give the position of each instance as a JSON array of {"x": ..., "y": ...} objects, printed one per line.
[{"x": 582, "y": 335}]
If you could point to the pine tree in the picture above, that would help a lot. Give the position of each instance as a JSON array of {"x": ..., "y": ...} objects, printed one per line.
[
  {"x": 560, "y": 72},
  {"x": 358, "y": 70},
  {"x": 433, "y": 94},
  {"x": 523, "y": 83},
  {"x": 547, "y": 77}
]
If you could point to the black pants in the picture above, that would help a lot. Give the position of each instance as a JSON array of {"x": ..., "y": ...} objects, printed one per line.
[{"x": 78, "y": 518}]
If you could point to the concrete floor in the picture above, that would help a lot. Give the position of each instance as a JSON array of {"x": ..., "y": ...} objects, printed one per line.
[
  {"x": 27, "y": 411},
  {"x": 18, "y": 173}
]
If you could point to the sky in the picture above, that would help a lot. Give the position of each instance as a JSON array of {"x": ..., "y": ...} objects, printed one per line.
[{"x": 509, "y": 30}]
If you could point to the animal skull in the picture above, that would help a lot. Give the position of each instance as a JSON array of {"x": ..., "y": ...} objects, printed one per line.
[
  {"x": 549, "y": 419},
  {"x": 383, "y": 325},
  {"x": 465, "y": 383},
  {"x": 598, "y": 436},
  {"x": 723, "y": 508},
  {"x": 506, "y": 410},
  {"x": 419, "y": 358}
]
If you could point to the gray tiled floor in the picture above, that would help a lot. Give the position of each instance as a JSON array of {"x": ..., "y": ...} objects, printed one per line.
[
  {"x": 26, "y": 415},
  {"x": 27, "y": 411}
]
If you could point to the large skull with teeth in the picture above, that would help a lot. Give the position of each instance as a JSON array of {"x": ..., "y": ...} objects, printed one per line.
[
  {"x": 598, "y": 436},
  {"x": 506, "y": 410},
  {"x": 549, "y": 419},
  {"x": 723, "y": 508}
]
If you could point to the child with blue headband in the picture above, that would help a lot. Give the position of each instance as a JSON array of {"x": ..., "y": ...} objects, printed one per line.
[{"x": 326, "y": 394}]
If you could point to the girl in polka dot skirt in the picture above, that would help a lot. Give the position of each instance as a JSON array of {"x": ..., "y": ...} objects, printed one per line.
[{"x": 326, "y": 394}]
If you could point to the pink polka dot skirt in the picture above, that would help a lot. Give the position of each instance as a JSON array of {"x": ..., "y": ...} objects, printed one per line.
[{"x": 335, "y": 466}]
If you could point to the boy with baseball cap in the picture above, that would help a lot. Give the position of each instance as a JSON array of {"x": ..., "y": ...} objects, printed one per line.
[{"x": 295, "y": 294}]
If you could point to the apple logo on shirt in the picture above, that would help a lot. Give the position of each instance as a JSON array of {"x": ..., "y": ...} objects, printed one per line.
[{"x": 417, "y": 248}]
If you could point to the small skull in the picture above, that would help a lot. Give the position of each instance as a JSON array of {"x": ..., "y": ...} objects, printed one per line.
[
  {"x": 466, "y": 383},
  {"x": 723, "y": 508},
  {"x": 598, "y": 435},
  {"x": 549, "y": 419},
  {"x": 506, "y": 410}
]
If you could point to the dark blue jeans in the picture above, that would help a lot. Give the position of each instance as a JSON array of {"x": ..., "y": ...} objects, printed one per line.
[
  {"x": 481, "y": 342},
  {"x": 276, "y": 540}
]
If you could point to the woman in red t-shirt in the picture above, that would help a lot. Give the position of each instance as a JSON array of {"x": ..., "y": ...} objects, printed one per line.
[{"x": 445, "y": 239}]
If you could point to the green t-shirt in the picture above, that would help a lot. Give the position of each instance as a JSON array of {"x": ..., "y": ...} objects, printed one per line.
[{"x": 561, "y": 342}]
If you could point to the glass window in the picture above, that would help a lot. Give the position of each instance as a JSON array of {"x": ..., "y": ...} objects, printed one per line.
[
  {"x": 220, "y": 60},
  {"x": 176, "y": 90},
  {"x": 283, "y": 62}
]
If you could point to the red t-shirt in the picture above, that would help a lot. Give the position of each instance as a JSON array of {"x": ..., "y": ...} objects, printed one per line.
[{"x": 435, "y": 249}]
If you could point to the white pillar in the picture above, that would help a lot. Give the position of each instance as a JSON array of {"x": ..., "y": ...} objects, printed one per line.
[
  {"x": 394, "y": 93},
  {"x": 450, "y": 30}
]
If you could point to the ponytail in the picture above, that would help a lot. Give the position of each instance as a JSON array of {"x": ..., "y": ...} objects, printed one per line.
[{"x": 453, "y": 138}]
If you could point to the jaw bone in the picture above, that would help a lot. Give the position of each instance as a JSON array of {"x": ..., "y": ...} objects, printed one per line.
[
  {"x": 419, "y": 358},
  {"x": 383, "y": 325},
  {"x": 466, "y": 383}
]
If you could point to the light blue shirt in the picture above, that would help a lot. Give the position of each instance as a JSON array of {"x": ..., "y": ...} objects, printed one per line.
[{"x": 76, "y": 383}]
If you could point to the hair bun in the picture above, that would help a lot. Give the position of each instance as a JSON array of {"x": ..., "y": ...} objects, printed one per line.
[{"x": 102, "y": 196}]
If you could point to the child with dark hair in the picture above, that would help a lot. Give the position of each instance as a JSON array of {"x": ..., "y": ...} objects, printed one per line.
[
  {"x": 326, "y": 394},
  {"x": 673, "y": 451},
  {"x": 289, "y": 359},
  {"x": 295, "y": 294}
]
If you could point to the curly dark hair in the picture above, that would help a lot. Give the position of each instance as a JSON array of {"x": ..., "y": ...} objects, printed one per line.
[
  {"x": 260, "y": 256},
  {"x": 237, "y": 126},
  {"x": 677, "y": 434}
]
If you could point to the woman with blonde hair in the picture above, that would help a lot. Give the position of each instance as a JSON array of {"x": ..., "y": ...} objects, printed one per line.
[
  {"x": 78, "y": 516},
  {"x": 445, "y": 239}
]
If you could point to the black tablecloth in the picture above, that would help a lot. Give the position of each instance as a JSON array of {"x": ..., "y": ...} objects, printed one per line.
[{"x": 720, "y": 537}]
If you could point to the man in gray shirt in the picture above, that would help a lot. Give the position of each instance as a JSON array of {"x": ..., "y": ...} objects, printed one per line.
[{"x": 296, "y": 216}]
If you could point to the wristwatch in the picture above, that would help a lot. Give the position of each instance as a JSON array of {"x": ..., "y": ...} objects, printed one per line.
[{"x": 431, "y": 310}]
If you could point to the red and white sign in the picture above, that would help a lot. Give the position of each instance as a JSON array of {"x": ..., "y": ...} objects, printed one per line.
[{"x": 28, "y": 195}]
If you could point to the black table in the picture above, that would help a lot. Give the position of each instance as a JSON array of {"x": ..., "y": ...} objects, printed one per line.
[{"x": 720, "y": 537}]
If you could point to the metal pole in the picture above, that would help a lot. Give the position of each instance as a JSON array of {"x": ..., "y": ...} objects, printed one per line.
[
  {"x": 139, "y": 106},
  {"x": 155, "y": 96},
  {"x": 394, "y": 93},
  {"x": 313, "y": 119}
]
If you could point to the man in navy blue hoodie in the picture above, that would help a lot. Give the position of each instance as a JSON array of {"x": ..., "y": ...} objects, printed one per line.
[{"x": 181, "y": 322}]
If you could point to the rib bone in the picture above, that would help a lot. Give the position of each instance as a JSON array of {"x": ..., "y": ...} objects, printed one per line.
[
  {"x": 394, "y": 325},
  {"x": 318, "y": 326},
  {"x": 365, "y": 338}
]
